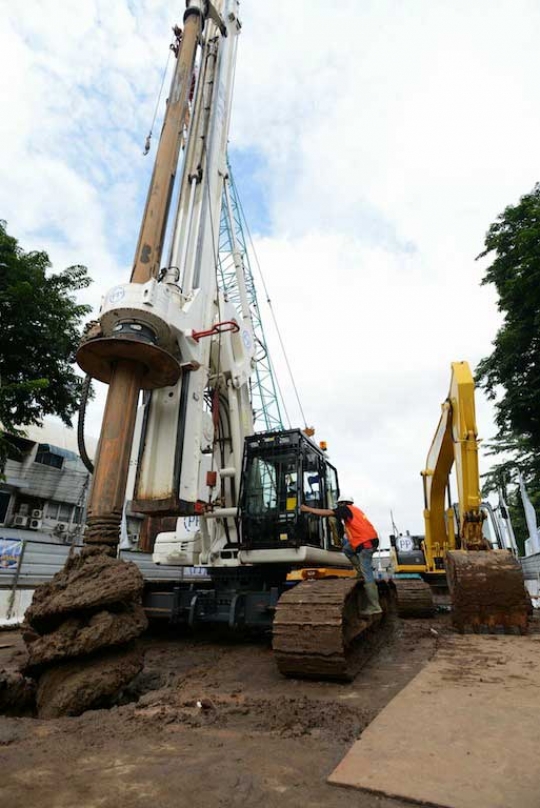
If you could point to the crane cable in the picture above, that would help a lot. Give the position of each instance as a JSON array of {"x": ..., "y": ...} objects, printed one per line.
[
  {"x": 149, "y": 135},
  {"x": 270, "y": 362},
  {"x": 268, "y": 300}
]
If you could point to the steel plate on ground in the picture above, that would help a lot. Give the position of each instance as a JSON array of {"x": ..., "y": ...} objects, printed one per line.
[{"x": 462, "y": 734}]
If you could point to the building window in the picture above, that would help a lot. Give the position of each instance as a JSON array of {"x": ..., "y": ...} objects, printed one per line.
[
  {"x": 51, "y": 511},
  {"x": 47, "y": 458},
  {"x": 64, "y": 514},
  {"x": 5, "y": 497},
  {"x": 59, "y": 511}
]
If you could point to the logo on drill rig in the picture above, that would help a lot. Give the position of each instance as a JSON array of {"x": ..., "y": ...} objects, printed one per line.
[{"x": 116, "y": 295}]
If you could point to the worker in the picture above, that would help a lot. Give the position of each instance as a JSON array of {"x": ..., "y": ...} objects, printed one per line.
[{"x": 359, "y": 544}]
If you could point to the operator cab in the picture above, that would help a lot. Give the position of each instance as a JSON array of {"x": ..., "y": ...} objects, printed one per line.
[{"x": 282, "y": 470}]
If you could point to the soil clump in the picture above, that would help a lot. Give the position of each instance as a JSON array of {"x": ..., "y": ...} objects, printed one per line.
[{"x": 80, "y": 633}]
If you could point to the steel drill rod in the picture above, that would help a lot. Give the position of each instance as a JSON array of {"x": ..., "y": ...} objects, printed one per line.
[
  {"x": 118, "y": 427},
  {"x": 150, "y": 245},
  {"x": 112, "y": 461}
]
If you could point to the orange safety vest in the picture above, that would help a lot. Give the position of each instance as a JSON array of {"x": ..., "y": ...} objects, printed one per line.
[{"x": 359, "y": 529}]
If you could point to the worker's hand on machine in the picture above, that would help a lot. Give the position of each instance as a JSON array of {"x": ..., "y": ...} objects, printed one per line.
[{"x": 304, "y": 508}]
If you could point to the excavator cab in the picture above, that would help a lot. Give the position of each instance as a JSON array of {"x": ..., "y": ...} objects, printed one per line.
[{"x": 280, "y": 471}]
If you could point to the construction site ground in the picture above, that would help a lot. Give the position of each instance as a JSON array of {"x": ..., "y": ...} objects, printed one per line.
[{"x": 214, "y": 725}]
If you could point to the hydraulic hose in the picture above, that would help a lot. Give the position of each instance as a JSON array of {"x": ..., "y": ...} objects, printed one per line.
[{"x": 80, "y": 424}]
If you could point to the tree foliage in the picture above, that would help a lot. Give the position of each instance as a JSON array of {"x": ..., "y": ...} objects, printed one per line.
[
  {"x": 513, "y": 368},
  {"x": 40, "y": 326},
  {"x": 511, "y": 374}
]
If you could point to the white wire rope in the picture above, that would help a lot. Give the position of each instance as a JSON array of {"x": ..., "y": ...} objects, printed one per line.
[
  {"x": 272, "y": 312},
  {"x": 149, "y": 136}
]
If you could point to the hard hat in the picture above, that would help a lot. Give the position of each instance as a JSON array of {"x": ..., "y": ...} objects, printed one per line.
[{"x": 345, "y": 499}]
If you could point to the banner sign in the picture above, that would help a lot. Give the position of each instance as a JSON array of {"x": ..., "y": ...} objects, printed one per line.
[{"x": 10, "y": 552}]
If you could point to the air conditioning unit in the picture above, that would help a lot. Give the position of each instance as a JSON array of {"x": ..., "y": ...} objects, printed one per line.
[
  {"x": 37, "y": 514},
  {"x": 20, "y": 521},
  {"x": 35, "y": 524}
]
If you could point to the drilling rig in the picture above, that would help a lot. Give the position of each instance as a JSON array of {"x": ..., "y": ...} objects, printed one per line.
[{"x": 171, "y": 334}]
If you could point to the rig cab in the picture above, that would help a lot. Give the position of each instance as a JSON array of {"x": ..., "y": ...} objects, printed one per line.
[{"x": 281, "y": 471}]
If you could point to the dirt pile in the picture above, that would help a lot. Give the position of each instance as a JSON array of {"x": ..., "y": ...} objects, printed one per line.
[
  {"x": 17, "y": 694},
  {"x": 291, "y": 717},
  {"x": 80, "y": 633}
]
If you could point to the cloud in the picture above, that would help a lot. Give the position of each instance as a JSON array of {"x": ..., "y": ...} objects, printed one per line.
[
  {"x": 384, "y": 138},
  {"x": 394, "y": 135}
]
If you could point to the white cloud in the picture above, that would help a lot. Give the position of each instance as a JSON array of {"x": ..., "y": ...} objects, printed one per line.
[{"x": 392, "y": 135}]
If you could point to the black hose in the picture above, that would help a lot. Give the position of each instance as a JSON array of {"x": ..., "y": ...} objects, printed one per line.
[{"x": 80, "y": 424}]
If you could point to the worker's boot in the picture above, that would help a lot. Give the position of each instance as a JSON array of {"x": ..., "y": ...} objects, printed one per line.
[{"x": 372, "y": 597}]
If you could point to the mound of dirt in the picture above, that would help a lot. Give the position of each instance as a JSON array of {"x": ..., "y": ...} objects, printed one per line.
[
  {"x": 82, "y": 636},
  {"x": 87, "y": 583},
  {"x": 76, "y": 686},
  {"x": 17, "y": 694},
  {"x": 79, "y": 633}
]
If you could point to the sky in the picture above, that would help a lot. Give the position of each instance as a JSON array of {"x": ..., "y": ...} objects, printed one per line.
[{"x": 373, "y": 143}]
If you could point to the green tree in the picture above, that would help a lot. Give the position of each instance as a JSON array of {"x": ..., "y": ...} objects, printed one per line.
[
  {"x": 511, "y": 374},
  {"x": 40, "y": 328}
]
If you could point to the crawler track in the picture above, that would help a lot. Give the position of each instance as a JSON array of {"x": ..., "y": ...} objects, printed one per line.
[
  {"x": 414, "y": 598},
  {"x": 487, "y": 590},
  {"x": 318, "y": 630}
]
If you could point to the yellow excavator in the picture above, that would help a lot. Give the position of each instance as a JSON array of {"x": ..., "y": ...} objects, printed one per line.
[{"x": 486, "y": 585}]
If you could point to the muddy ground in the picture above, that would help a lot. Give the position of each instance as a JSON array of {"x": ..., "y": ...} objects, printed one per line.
[{"x": 215, "y": 725}]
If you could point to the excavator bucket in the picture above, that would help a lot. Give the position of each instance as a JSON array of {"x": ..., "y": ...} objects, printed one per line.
[{"x": 487, "y": 590}]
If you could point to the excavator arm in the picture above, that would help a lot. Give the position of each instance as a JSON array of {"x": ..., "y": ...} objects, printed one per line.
[
  {"x": 455, "y": 442},
  {"x": 486, "y": 585}
]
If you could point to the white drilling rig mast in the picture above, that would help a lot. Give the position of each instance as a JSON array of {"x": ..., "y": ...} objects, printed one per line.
[{"x": 170, "y": 331}]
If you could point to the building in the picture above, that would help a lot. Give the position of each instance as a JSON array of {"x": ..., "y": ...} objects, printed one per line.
[{"x": 45, "y": 485}]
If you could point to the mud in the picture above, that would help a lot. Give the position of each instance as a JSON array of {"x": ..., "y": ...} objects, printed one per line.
[
  {"x": 214, "y": 726},
  {"x": 17, "y": 694},
  {"x": 77, "y": 685},
  {"x": 81, "y": 636},
  {"x": 88, "y": 582},
  {"x": 79, "y": 633}
]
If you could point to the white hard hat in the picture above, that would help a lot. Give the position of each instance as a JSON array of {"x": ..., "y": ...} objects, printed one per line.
[{"x": 345, "y": 499}]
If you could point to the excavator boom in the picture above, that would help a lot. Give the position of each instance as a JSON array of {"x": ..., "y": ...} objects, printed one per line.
[{"x": 486, "y": 585}]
